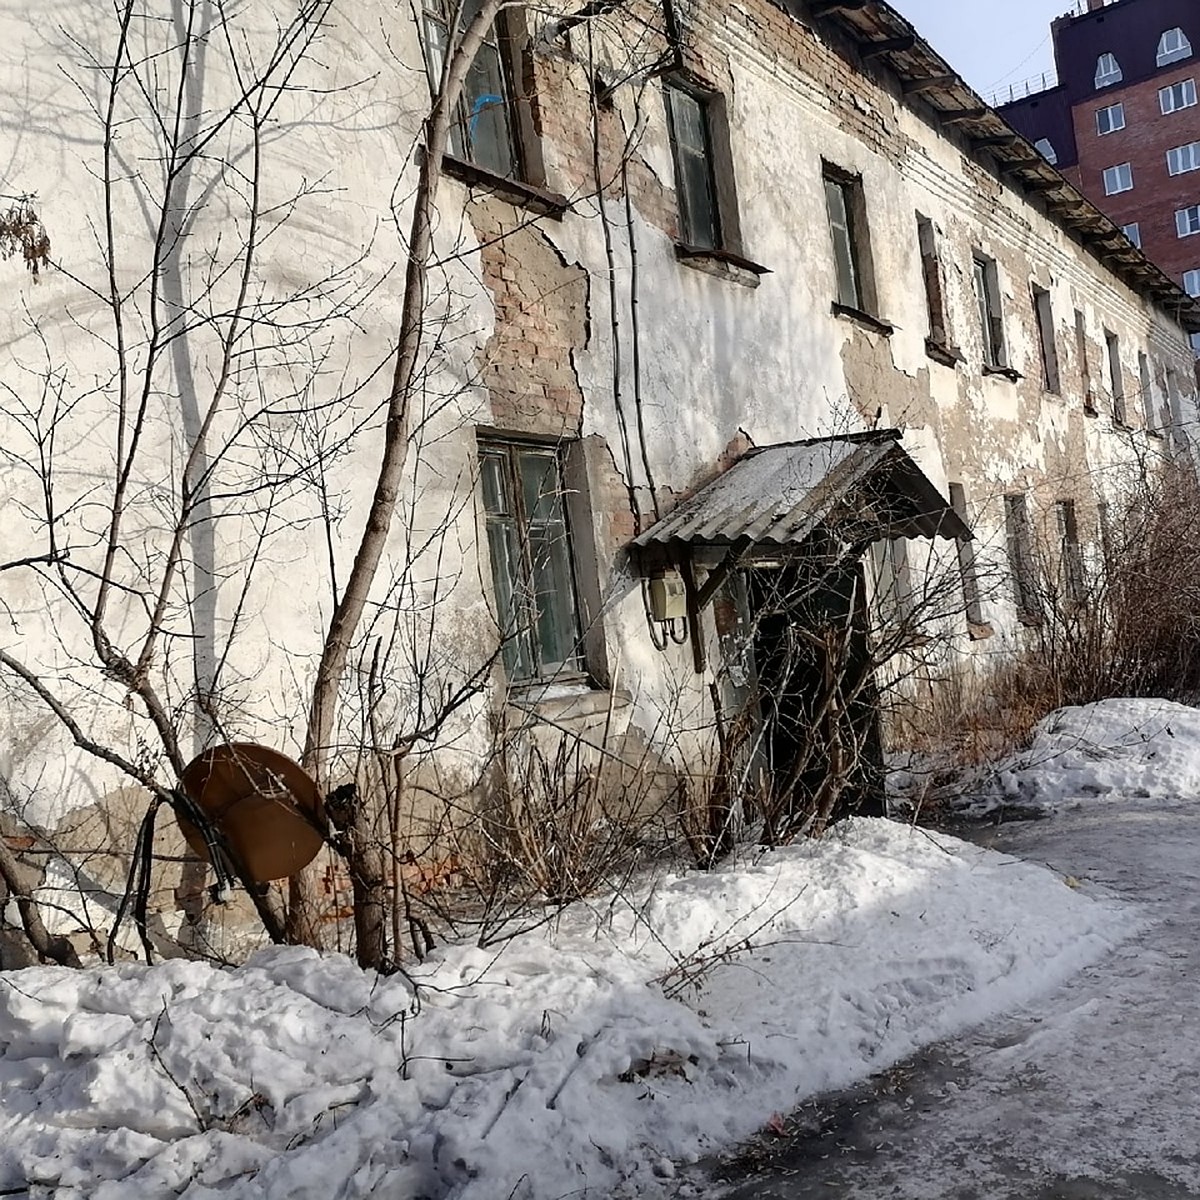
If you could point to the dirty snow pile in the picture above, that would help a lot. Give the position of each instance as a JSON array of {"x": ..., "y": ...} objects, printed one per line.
[
  {"x": 585, "y": 1059},
  {"x": 1113, "y": 749}
]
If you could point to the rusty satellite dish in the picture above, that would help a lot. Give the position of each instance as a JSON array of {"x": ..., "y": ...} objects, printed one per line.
[{"x": 263, "y": 804}]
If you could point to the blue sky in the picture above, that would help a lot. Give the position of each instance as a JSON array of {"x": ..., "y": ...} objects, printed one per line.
[{"x": 991, "y": 43}]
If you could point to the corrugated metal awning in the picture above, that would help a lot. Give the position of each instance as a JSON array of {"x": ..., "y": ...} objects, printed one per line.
[{"x": 780, "y": 494}]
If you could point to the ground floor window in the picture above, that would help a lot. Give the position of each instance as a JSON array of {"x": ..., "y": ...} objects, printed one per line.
[{"x": 529, "y": 540}]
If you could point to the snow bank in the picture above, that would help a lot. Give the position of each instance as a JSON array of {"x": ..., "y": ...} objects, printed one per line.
[
  {"x": 1115, "y": 749},
  {"x": 582, "y": 1060}
]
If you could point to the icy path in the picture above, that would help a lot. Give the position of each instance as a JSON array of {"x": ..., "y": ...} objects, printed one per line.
[{"x": 1092, "y": 1093}]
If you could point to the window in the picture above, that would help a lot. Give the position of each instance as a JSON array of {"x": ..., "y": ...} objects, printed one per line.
[
  {"x": 1110, "y": 119},
  {"x": 991, "y": 320},
  {"x": 1147, "y": 388},
  {"x": 1116, "y": 380},
  {"x": 1108, "y": 71},
  {"x": 1178, "y": 95},
  {"x": 1173, "y": 46},
  {"x": 931, "y": 273},
  {"x": 1020, "y": 558},
  {"x": 1070, "y": 559},
  {"x": 1187, "y": 220},
  {"x": 966, "y": 560},
  {"x": 486, "y": 127},
  {"x": 1044, "y": 313},
  {"x": 695, "y": 174},
  {"x": 1118, "y": 179},
  {"x": 893, "y": 583},
  {"x": 846, "y": 209},
  {"x": 1182, "y": 159},
  {"x": 532, "y": 569},
  {"x": 1134, "y": 233},
  {"x": 1045, "y": 148},
  {"x": 1085, "y": 369},
  {"x": 1191, "y": 282}
]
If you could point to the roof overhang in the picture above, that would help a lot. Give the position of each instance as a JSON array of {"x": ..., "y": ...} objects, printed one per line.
[{"x": 861, "y": 487}]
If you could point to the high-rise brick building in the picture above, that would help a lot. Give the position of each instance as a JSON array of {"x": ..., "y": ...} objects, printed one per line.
[{"x": 1123, "y": 124}]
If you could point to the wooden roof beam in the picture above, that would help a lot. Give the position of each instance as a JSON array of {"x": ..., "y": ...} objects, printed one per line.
[
  {"x": 894, "y": 45},
  {"x": 822, "y": 8}
]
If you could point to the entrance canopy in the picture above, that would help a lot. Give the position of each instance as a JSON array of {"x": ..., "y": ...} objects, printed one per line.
[{"x": 780, "y": 495}]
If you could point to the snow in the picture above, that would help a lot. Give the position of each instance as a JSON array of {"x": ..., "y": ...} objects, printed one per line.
[
  {"x": 586, "y": 1059},
  {"x": 1114, "y": 749}
]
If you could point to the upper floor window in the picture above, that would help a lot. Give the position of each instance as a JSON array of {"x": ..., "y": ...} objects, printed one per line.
[
  {"x": 486, "y": 127},
  {"x": 1108, "y": 71},
  {"x": 1043, "y": 312},
  {"x": 845, "y": 206},
  {"x": 532, "y": 561},
  {"x": 1046, "y": 149},
  {"x": 1110, "y": 118},
  {"x": 1178, "y": 95},
  {"x": 695, "y": 169},
  {"x": 1118, "y": 179},
  {"x": 991, "y": 319},
  {"x": 1173, "y": 46},
  {"x": 1182, "y": 159},
  {"x": 931, "y": 274},
  {"x": 1187, "y": 220},
  {"x": 1133, "y": 232},
  {"x": 1191, "y": 282}
]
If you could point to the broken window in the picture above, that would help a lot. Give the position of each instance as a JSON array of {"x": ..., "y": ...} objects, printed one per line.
[
  {"x": 690, "y": 125},
  {"x": 1085, "y": 370},
  {"x": 1049, "y": 346},
  {"x": 1020, "y": 558},
  {"x": 931, "y": 273},
  {"x": 1147, "y": 387},
  {"x": 1074, "y": 585},
  {"x": 846, "y": 208},
  {"x": 991, "y": 320},
  {"x": 532, "y": 569},
  {"x": 972, "y": 600},
  {"x": 1116, "y": 378},
  {"x": 486, "y": 123}
]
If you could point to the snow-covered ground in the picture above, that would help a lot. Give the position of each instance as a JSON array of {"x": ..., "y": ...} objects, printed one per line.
[
  {"x": 1090, "y": 1092},
  {"x": 587, "y": 1059}
]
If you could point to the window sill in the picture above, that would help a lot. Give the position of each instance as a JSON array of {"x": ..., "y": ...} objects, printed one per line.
[
  {"x": 948, "y": 356},
  {"x": 875, "y": 324},
  {"x": 566, "y": 700},
  {"x": 1009, "y": 373},
  {"x": 1031, "y": 620},
  {"x": 979, "y": 633},
  {"x": 724, "y": 264},
  {"x": 523, "y": 195}
]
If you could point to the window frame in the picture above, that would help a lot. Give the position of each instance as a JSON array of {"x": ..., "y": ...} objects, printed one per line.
[
  {"x": 1187, "y": 221},
  {"x": 985, "y": 277},
  {"x": 1074, "y": 578},
  {"x": 1045, "y": 147},
  {"x": 1105, "y": 77},
  {"x": 1116, "y": 377},
  {"x": 1195, "y": 272},
  {"x": 967, "y": 566},
  {"x": 1124, "y": 171},
  {"x": 1018, "y": 528},
  {"x": 1043, "y": 313},
  {"x": 1146, "y": 383},
  {"x": 1133, "y": 231},
  {"x": 855, "y": 248},
  {"x": 1113, "y": 127},
  {"x": 1189, "y": 89},
  {"x": 1166, "y": 55},
  {"x": 1189, "y": 151},
  {"x": 935, "y": 293},
  {"x": 522, "y": 640}
]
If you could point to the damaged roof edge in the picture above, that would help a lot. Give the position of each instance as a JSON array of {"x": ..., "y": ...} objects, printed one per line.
[{"x": 882, "y": 33}]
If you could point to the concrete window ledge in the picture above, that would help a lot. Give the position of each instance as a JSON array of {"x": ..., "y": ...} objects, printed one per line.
[
  {"x": 979, "y": 633},
  {"x": 567, "y": 702},
  {"x": 523, "y": 195},
  {"x": 724, "y": 264},
  {"x": 865, "y": 319},
  {"x": 940, "y": 352},
  {"x": 1009, "y": 373}
]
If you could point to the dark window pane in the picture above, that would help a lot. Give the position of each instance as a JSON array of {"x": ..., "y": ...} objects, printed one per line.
[
  {"x": 694, "y": 180},
  {"x": 554, "y": 597},
  {"x": 539, "y": 485},
  {"x": 843, "y": 244},
  {"x": 495, "y": 485},
  {"x": 485, "y": 101},
  {"x": 514, "y": 626}
]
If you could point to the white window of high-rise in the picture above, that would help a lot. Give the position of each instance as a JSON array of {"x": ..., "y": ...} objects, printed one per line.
[
  {"x": 1110, "y": 118},
  {"x": 1191, "y": 282},
  {"x": 1046, "y": 149},
  {"x": 1133, "y": 232},
  {"x": 1178, "y": 95},
  {"x": 1182, "y": 159},
  {"x": 1173, "y": 46},
  {"x": 1108, "y": 71},
  {"x": 1118, "y": 179},
  {"x": 1187, "y": 220}
]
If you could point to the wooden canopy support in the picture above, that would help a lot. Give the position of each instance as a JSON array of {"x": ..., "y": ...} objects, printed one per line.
[{"x": 888, "y": 46}]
